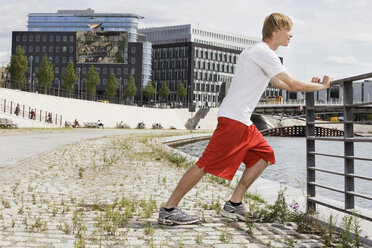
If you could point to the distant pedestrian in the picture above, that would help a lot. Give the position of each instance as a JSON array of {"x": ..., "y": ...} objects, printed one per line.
[
  {"x": 100, "y": 124},
  {"x": 17, "y": 110},
  {"x": 236, "y": 139}
]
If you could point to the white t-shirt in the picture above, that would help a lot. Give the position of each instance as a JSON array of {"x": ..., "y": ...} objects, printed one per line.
[{"x": 255, "y": 67}]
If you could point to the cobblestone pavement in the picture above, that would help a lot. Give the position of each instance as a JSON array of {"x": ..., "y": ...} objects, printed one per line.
[{"x": 106, "y": 193}]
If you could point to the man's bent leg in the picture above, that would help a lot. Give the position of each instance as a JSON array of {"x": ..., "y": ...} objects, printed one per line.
[
  {"x": 187, "y": 182},
  {"x": 235, "y": 209},
  {"x": 250, "y": 174}
]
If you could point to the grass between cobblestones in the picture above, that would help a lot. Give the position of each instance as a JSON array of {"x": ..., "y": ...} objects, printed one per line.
[{"x": 106, "y": 193}]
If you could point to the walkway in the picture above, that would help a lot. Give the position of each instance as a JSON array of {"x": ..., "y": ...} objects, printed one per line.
[{"x": 106, "y": 193}]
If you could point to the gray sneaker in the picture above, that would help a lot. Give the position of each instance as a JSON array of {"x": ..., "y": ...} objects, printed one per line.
[
  {"x": 176, "y": 216},
  {"x": 235, "y": 212}
]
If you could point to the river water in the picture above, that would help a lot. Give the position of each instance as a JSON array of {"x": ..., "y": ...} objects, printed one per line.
[{"x": 290, "y": 167}]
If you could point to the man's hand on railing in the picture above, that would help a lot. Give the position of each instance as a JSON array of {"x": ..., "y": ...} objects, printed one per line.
[{"x": 326, "y": 81}]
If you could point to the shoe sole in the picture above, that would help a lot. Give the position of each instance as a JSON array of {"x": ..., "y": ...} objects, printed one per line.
[
  {"x": 171, "y": 223},
  {"x": 234, "y": 216}
]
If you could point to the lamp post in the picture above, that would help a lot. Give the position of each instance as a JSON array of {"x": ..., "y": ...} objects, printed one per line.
[
  {"x": 30, "y": 77},
  {"x": 79, "y": 83},
  {"x": 120, "y": 91},
  {"x": 33, "y": 82},
  {"x": 59, "y": 85}
]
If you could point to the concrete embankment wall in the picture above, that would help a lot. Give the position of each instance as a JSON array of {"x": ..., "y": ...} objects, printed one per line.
[{"x": 89, "y": 111}]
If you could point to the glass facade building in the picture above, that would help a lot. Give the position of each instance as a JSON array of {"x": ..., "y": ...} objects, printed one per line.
[
  {"x": 137, "y": 52},
  {"x": 84, "y": 20}
]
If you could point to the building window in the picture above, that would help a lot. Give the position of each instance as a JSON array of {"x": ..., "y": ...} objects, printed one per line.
[
  {"x": 98, "y": 70},
  {"x": 125, "y": 81},
  {"x": 30, "y": 49},
  {"x": 50, "y": 49},
  {"x": 44, "y": 49},
  {"x": 104, "y": 70},
  {"x": 71, "y": 38},
  {"x": 24, "y": 38},
  {"x": 57, "y": 70},
  {"x": 51, "y": 38},
  {"x": 118, "y": 71},
  {"x": 65, "y": 38},
  {"x": 111, "y": 70},
  {"x": 71, "y": 59},
  {"x": 57, "y": 59},
  {"x": 58, "y": 38},
  {"x": 63, "y": 59},
  {"x": 125, "y": 71},
  {"x": 133, "y": 71},
  {"x": 31, "y": 38},
  {"x": 57, "y": 49},
  {"x": 64, "y": 49},
  {"x": 133, "y": 61},
  {"x": 71, "y": 49},
  {"x": 133, "y": 49},
  {"x": 37, "y": 49},
  {"x": 37, "y": 59},
  {"x": 18, "y": 38},
  {"x": 37, "y": 38},
  {"x": 84, "y": 70},
  {"x": 104, "y": 81},
  {"x": 44, "y": 38}
]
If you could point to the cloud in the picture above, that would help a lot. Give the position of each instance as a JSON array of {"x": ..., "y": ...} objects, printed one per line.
[
  {"x": 361, "y": 37},
  {"x": 347, "y": 60}
]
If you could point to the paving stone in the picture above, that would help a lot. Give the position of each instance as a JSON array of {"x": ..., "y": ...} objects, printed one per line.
[{"x": 71, "y": 189}]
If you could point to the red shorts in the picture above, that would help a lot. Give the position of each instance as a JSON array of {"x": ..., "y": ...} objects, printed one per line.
[{"x": 232, "y": 143}]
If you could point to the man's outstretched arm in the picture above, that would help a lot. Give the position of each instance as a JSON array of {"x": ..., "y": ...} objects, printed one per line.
[{"x": 286, "y": 81}]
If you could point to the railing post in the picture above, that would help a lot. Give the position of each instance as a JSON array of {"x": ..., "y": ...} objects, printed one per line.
[
  {"x": 310, "y": 147},
  {"x": 348, "y": 146}
]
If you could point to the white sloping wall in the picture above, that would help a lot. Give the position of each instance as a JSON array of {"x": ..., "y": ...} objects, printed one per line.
[{"x": 89, "y": 111}]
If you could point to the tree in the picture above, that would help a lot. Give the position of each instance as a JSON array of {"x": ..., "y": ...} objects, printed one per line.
[
  {"x": 69, "y": 77},
  {"x": 45, "y": 74},
  {"x": 181, "y": 91},
  {"x": 131, "y": 89},
  {"x": 164, "y": 91},
  {"x": 18, "y": 67},
  {"x": 149, "y": 91},
  {"x": 112, "y": 85},
  {"x": 92, "y": 80}
]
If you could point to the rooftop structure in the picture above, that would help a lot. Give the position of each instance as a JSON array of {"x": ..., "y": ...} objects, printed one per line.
[
  {"x": 83, "y": 20},
  {"x": 198, "y": 34}
]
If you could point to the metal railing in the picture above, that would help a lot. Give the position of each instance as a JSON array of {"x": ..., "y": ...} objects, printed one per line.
[
  {"x": 11, "y": 108},
  {"x": 348, "y": 155}
]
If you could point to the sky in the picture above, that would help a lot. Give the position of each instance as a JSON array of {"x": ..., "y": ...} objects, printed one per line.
[{"x": 330, "y": 37}]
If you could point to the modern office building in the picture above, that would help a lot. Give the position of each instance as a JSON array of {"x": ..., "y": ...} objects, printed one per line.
[
  {"x": 85, "y": 49},
  {"x": 57, "y": 35},
  {"x": 203, "y": 59},
  {"x": 68, "y": 35}
]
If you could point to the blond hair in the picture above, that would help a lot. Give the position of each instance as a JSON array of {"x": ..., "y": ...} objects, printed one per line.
[{"x": 275, "y": 22}]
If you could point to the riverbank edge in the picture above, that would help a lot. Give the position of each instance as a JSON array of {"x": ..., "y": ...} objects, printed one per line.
[{"x": 268, "y": 189}]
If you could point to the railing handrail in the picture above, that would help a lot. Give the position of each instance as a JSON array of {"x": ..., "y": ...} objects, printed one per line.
[
  {"x": 7, "y": 106},
  {"x": 353, "y": 78},
  {"x": 348, "y": 156}
]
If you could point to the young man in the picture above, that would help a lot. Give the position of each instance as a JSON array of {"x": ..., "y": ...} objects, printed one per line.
[{"x": 236, "y": 139}]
